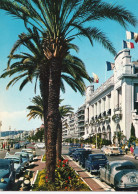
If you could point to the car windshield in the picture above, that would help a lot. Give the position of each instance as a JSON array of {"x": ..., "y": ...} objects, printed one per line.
[
  {"x": 125, "y": 167},
  {"x": 100, "y": 157},
  {"x": 115, "y": 148},
  {"x": 4, "y": 166}
]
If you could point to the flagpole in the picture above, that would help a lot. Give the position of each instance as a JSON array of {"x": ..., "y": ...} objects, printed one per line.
[{"x": 105, "y": 73}]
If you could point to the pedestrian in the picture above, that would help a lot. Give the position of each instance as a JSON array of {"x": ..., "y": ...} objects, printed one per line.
[
  {"x": 131, "y": 149},
  {"x": 25, "y": 146},
  {"x": 8, "y": 148},
  {"x": 126, "y": 148},
  {"x": 4, "y": 146}
]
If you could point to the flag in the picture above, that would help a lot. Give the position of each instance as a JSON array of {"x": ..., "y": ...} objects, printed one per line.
[
  {"x": 132, "y": 35},
  {"x": 95, "y": 78},
  {"x": 110, "y": 66},
  {"x": 136, "y": 37},
  {"x": 129, "y": 35},
  {"x": 128, "y": 44}
]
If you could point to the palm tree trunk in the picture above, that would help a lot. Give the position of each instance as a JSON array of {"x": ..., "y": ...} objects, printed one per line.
[
  {"x": 44, "y": 89},
  {"x": 59, "y": 141},
  {"x": 53, "y": 117}
]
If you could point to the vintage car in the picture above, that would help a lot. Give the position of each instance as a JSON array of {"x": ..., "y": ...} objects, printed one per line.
[
  {"x": 40, "y": 145},
  {"x": 87, "y": 147},
  {"x": 29, "y": 152},
  {"x": 112, "y": 151},
  {"x": 94, "y": 162},
  {"x": 83, "y": 156},
  {"x": 25, "y": 158},
  {"x": 72, "y": 150},
  {"x": 136, "y": 152},
  {"x": 18, "y": 163},
  {"x": 7, "y": 174},
  {"x": 17, "y": 146},
  {"x": 120, "y": 174},
  {"x": 76, "y": 154}
]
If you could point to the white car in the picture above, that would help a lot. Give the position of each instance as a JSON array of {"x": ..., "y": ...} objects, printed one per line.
[
  {"x": 40, "y": 145},
  {"x": 87, "y": 147}
]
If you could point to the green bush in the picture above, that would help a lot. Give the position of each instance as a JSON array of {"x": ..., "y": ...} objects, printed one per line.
[{"x": 66, "y": 179}]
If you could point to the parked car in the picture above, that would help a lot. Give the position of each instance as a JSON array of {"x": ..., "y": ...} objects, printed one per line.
[
  {"x": 76, "y": 153},
  {"x": 29, "y": 152},
  {"x": 17, "y": 146},
  {"x": 120, "y": 174},
  {"x": 7, "y": 174},
  {"x": 112, "y": 151},
  {"x": 40, "y": 145},
  {"x": 25, "y": 158},
  {"x": 87, "y": 147},
  {"x": 83, "y": 156},
  {"x": 103, "y": 148},
  {"x": 18, "y": 163},
  {"x": 73, "y": 149},
  {"x": 95, "y": 161},
  {"x": 136, "y": 152}
]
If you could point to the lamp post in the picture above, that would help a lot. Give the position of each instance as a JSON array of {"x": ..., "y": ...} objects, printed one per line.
[{"x": 117, "y": 120}]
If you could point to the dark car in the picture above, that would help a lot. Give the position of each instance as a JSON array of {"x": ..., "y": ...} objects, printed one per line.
[
  {"x": 76, "y": 153},
  {"x": 17, "y": 146},
  {"x": 7, "y": 174},
  {"x": 95, "y": 161},
  {"x": 73, "y": 149},
  {"x": 83, "y": 156},
  {"x": 136, "y": 152}
]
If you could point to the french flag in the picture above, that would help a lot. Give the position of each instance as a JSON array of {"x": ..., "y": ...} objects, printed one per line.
[
  {"x": 110, "y": 66},
  {"x": 129, "y": 45},
  {"x": 132, "y": 35}
]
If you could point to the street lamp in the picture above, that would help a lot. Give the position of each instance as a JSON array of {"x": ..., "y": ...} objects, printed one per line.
[{"x": 117, "y": 120}]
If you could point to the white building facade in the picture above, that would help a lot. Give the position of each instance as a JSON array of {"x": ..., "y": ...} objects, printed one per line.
[{"x": 113, "y": 106}]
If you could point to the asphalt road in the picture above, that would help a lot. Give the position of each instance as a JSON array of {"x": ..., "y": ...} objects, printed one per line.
[{"x": 110, "y": 158}]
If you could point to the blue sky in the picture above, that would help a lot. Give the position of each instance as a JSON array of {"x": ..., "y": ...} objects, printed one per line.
[{"x": 13, "y": 103}]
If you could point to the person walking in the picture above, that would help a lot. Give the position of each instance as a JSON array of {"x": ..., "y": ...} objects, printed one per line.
[
  {"x": 131, "y": 149},
  {"x": 4, "y": 146},
  {"x": 8, "y": 148},
  {"x": 126, "y": 148}
]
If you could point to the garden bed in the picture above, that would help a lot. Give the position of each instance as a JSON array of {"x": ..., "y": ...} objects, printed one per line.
[{"x": 66, "y": 180}]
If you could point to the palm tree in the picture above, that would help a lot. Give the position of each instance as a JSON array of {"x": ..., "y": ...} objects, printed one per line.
[
  {"x": 36, "y": 110},
  {"x": 28, "y": 67},
  {"x": 61, "y": 22}
]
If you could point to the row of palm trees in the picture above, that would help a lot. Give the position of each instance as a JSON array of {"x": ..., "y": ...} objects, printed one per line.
[{"x": 52, "y": 26}]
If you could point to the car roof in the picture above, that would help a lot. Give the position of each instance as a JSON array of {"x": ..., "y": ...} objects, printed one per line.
[
  {"x": 12, "y": 157},
  {"x": 97, "y": 154},
  {"x": 121, "y": 162},
  {"x": 5, "y": 161},
  {"x": 21, "y": 153}
]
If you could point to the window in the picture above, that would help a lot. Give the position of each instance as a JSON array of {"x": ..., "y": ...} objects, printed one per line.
[
  {"x": 125, "y": 167},
  {"x": 100, "y": 157}
]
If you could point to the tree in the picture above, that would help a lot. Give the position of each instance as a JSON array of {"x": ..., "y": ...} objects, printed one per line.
[
  {"x": 61, "y": 22},
  {"x": 36, "y": 110},
  {"x": 132, "y": 136}
]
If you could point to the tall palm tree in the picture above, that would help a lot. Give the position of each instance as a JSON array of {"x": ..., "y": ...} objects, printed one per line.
[
  {"x": 28, "y": 66},
  {"x": 62, "y": 21}
]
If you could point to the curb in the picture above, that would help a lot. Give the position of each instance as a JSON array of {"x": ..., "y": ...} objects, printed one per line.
[{"x": 81, "y": 178}]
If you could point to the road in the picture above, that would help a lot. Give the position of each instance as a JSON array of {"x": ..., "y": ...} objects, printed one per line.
[{"x": 110, "y": 158}]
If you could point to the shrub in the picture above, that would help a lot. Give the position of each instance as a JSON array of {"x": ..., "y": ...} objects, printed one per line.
[{"x": 66, "y": 179}]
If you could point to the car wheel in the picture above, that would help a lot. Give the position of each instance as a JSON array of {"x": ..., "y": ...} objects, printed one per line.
[{"x": 88, "y": 170}]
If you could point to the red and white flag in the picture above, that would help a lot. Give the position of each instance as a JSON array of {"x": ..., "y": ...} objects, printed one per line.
[{"x": 95, "y": 78}]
